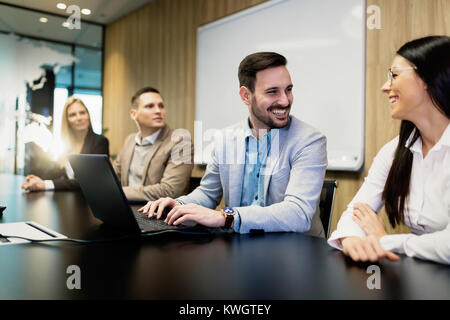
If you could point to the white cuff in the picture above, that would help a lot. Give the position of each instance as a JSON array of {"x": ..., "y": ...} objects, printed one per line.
[
  {"x": 49, "y": 185},
  {"x": 336, "y": 236},
  {"x": 394, "y": 242},
  {"x": 237, "y": 222},
  {"x": 346, "y": 228}
]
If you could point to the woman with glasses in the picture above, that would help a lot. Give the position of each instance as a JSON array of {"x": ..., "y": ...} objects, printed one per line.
[
  {"x": 77, "y": 137},
  {"x": 411, "y": 174}
]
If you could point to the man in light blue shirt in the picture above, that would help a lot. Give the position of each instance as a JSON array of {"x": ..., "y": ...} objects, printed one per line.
[{"x": 269, "y": 168}]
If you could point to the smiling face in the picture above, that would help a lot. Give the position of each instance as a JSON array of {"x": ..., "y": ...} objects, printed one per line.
[
  {"x": 150, "y": 113},
  {"x": 270, "y": 103},
  {"x": 78, "y": 117},
  {"x": 407, "y": 92}
]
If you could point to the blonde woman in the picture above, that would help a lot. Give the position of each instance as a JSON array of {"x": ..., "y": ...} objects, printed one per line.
[{"x": 78, "y": 138}]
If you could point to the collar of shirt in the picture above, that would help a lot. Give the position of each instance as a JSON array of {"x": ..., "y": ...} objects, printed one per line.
[
  {"x": 248, "y": 131},
  {"x": 147, "y": 140},
  {"x": 445, "y": 138},
  {"x": 269, "y": 134},
  {"x": 417, "y": 146}
]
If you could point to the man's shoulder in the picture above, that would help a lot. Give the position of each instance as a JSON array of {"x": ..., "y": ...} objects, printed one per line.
[
  {"x": 174, "y": 136},
  {"x": 167, "y": 132},
  {"x": 297, "y": 125},
  {"x": 301, "y": 132}
]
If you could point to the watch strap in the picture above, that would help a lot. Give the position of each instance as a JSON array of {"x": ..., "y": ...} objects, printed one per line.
[{"x": 229, "y": 216}]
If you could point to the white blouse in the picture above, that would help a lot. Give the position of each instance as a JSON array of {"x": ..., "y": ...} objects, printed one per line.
[{"x": 427, "y": 211}]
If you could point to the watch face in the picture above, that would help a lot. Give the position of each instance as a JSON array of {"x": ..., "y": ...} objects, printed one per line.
[{"x": 228, "y": 210}]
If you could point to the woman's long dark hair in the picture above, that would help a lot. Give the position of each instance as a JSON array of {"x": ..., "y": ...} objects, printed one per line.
[{"x": 431, "y": 56}]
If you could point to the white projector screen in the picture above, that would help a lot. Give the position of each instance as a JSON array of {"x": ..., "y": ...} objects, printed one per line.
[{"x": 324, "y": 43}]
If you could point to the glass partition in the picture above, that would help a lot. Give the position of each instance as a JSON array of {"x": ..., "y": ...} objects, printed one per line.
[{"x": 42, "y": 62}]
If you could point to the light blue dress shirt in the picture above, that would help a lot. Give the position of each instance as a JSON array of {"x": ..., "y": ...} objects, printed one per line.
[{"x": 256, "y": 153}]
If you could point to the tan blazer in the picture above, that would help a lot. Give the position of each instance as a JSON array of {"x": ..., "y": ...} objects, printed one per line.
[{"x": 162, "y": 176}]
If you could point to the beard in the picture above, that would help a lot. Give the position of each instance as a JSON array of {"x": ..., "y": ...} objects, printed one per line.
[{"x": 263, "y": 116}]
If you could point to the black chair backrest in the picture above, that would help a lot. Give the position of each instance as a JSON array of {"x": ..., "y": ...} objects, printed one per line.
[
  {"x": 326, "y": 204},
  {"x": 193, "y": 184}
]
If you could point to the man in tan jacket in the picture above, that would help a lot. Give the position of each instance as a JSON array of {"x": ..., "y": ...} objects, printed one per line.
[{"x": 156, "y": 161}]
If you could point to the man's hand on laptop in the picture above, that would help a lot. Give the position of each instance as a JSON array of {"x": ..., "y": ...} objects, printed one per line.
[
  {"x": 157, "y": 207},
  {"x": 193, "y": 212},
  {"x": 181, "y": 213}
]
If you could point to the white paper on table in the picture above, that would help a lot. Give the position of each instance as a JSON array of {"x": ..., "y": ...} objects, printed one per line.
[{"x": 28, "y": 229}]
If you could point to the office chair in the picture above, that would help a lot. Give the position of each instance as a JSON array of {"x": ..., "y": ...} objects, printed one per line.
[
  {"x": 326, "y": 204},
  {"x": 193, "y": 183}
]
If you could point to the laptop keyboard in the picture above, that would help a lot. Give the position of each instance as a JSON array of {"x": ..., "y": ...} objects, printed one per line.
[{"x": 149, "y": 224}]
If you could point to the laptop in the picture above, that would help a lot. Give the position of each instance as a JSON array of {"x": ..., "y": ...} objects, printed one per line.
[{"x": 105, "y": 196}]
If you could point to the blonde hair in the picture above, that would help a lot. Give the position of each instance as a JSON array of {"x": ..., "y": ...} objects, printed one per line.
[{"x": 67, "y": 134}]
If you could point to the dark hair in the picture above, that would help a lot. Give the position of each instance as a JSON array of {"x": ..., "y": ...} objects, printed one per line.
[
  {"x": 257, "y": 62},
  {"x": 140, "y": 92},
  {"x": 431, "y": 56}
]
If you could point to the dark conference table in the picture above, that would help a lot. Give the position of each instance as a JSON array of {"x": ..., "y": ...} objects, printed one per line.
[{"x": 286, "y": 266}]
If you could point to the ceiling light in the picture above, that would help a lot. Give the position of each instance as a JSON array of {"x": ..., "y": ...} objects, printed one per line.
[
  {"x": 43, "y": 19},
  {"x": 86, "y": 12},
  {"x": 61, "y": 6}
]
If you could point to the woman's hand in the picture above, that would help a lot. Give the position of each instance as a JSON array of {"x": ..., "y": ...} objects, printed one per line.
[
  {"x": 366, "y": 249},
  {"x": 33, "y": 183},
  {"x": 368, "y": 220}
]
